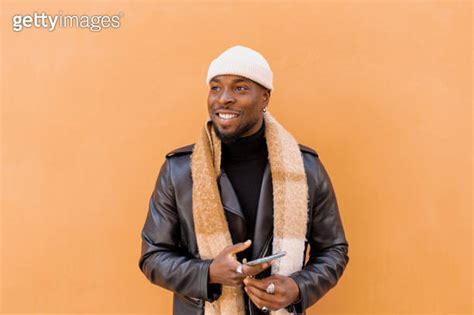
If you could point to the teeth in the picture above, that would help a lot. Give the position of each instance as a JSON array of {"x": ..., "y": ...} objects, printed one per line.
[{"x": 227, "y": 116}]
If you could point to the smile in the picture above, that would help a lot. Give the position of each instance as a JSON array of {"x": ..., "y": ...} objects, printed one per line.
[{"x": 227, "y": 116}]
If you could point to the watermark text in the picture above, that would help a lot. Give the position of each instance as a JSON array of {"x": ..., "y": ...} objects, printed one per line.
[{"x": 94, "y": 23}]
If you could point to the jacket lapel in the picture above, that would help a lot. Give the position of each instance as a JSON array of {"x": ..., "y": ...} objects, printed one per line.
[{"x": 233, "y": 211}]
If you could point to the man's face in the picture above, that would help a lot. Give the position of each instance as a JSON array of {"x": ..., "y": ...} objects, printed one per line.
[{"x": 235, "y": 106}]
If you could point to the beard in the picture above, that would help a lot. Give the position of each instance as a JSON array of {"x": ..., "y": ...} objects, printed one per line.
[{"x": 229, "y": 138}]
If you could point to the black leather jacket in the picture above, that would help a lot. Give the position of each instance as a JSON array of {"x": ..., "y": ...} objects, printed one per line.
[{"x": 170, "y": 258}]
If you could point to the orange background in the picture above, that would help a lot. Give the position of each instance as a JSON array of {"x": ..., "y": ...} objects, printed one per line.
[{"x": 382, "y": 90}]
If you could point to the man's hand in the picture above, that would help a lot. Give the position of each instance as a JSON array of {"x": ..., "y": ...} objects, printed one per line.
[
  {"x": 223, "y": 268},
  {"x": 286, "y": 292}
]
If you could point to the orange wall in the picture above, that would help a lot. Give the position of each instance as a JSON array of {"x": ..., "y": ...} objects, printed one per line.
[{"x": 382, "y": 90}]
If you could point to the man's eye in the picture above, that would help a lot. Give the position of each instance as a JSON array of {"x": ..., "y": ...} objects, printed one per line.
[
  {"x": 242, "y": 88},
  {"x": 214, "y": 88}
]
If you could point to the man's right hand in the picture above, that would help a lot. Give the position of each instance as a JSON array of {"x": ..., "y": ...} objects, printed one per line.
[{"x": 223, "y": 268}]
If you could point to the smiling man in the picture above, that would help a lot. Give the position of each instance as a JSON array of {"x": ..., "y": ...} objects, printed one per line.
[
  {"x": 245, "y": 190},
  {"x": 245, "y": 117}
]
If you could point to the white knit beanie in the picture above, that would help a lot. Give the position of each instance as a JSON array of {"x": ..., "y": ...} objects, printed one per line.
[{"x": 243, "y": 61}]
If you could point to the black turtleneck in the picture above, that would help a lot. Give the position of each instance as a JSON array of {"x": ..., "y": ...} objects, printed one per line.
[{"x": 244, "y": 162}]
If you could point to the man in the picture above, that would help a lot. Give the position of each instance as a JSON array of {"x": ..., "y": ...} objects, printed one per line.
[{"x": 245, "y": 190}]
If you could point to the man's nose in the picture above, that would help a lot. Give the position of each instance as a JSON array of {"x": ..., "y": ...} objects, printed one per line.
[{"x": 226, "y": 97}]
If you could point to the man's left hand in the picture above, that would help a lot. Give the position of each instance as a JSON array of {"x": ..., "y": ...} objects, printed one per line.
[{"x": 286, "y": 291}]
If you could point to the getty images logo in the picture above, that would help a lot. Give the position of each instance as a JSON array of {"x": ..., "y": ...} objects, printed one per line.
[{"x": 95, "y": 23}]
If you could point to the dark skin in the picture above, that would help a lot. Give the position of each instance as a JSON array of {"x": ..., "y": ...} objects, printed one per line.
[
  {"x": 239, "y": 96},
  {"x": 235, "y": 106},
  {"x": 286, "y": 291},
  {"x": 223, "y": 268}
]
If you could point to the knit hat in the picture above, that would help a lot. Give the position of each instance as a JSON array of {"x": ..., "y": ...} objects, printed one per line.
[{"x": 243, "y": 61}]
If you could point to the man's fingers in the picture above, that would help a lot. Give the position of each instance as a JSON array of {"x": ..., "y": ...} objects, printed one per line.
[
  {"x": 257, "y": 283},
  {"x": 255, "y": 270},
  {"x": 254, "y": 298},
  {"x": 239, "y": 247},
  {"x": 261, "y": 295},
  {"x": 239, "y": 277},
  {"x": 259, "y": 302}
]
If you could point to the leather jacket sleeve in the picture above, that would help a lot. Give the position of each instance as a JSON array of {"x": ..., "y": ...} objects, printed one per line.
[
  {"x": 328, "y": 245},
  {"x": 162, "y": 260}
]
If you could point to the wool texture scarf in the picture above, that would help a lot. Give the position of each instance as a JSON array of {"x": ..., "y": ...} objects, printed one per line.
[{"x": 290, "y": 206}]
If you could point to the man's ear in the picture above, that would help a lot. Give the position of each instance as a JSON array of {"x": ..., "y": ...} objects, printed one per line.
[{"x": 266, "y": 96}]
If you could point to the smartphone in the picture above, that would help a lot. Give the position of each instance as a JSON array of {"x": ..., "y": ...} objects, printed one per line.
[{"x": 265, "y": 259}]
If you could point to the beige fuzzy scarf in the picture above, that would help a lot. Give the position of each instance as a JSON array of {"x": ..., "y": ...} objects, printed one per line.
[{"x": 290, "y": 202}]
